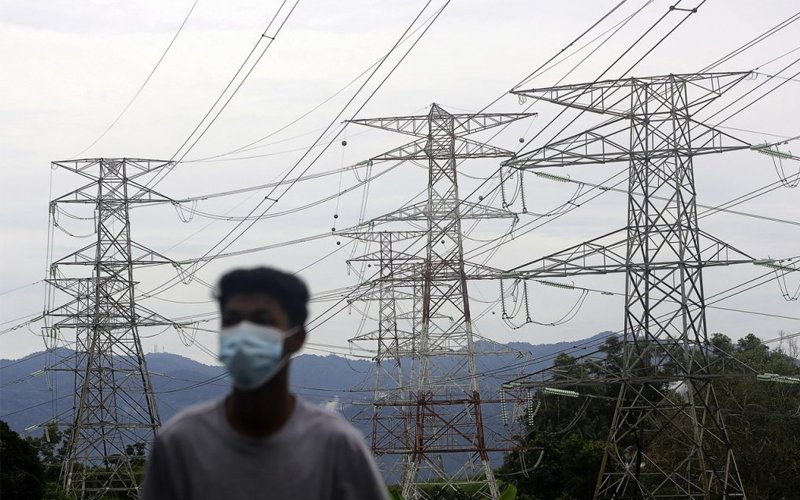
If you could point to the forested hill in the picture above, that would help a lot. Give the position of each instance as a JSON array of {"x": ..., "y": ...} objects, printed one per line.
[{"x": 26, "y": 399}]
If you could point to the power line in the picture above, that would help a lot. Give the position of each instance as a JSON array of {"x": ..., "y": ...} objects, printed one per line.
[
  {"x": 752, "y": 43},
  {"x": 373, "y": 93},
  {"x": 269, "y": 40},
  {"x": 194, "y": 136},
  {"x": 270, "y": 197},
  {"x": 146, "y": 80},
  {"x": 251, "y": 145}
]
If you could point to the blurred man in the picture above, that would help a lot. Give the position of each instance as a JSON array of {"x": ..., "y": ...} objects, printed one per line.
[{"x": 260, "y": 441}]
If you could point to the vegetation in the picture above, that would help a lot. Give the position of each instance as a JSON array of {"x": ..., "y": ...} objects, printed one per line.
[
  {"x": 568, "y": 435},
  {"x": 21, "y": 474},
  {"x": 31, "y": 466}
]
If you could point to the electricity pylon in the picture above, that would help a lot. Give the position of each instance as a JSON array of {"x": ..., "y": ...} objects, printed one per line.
[
  {"x": 389, "y": 421},
  {"x": 444, "y": 401},
  {"x": 114, "y": 413},
  {"x": 668, "y": 437}
]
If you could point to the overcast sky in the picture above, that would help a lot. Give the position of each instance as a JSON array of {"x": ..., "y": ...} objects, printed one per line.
[{"x": 68, "y": 69}]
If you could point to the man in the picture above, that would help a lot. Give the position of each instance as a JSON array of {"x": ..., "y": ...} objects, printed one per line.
[{"x": 260, "y": 441}]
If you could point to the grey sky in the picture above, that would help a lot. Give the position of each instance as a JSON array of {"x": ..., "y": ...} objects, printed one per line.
[{"x": 70, "y": 67}]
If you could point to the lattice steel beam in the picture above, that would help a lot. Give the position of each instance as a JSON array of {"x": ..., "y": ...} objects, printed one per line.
[
  {"x": 663, "y": 443},
  {"x": 443, "y": 405},
  {"x": 114, "y": 407}
]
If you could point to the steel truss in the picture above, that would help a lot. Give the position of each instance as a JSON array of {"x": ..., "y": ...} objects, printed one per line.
[
  {"x": 114, "y": 413},
  {"x": 668, "y": 437},
  {"x": 432, "y": 418}
]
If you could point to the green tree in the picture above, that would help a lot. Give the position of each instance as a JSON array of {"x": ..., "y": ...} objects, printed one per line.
[
  {"x": 564, "y": 446},
  {"x": 566, "y": 441},
  {"x": 21, "y": 473},
  {"x": 761, "y": 417},
  {"x": 51, "y": 446}
]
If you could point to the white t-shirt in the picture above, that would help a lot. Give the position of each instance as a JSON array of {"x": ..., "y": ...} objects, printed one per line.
[{"x": 316, "y": 455}]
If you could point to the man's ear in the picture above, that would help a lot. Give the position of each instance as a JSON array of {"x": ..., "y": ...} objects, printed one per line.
[{"x": 295, "y": 342}]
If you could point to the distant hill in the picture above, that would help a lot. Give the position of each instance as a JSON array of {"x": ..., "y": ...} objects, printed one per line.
[{"x": 27, "y": 400}]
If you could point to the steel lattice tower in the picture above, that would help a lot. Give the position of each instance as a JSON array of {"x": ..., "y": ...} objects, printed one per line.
[
  {"x": 444, "y": 400},
  {"x": 395, "y": 345},
  {"x": 667, "y": 438},
  {"x": 114, "y": 408}
]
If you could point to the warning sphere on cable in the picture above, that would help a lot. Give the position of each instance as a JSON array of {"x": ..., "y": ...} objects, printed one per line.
[
  {"x": 521, "y": 139},
  {"x": 344, "y": 143}
]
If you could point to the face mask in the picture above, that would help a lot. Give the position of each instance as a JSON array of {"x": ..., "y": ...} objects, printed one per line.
[{"x": 252, "y": 353}]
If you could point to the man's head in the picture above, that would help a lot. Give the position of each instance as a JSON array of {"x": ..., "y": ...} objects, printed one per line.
[{"x": 267, "y": 297}]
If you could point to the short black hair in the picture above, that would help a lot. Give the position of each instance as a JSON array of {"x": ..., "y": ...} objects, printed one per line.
[{"x": 289, "y": 290}]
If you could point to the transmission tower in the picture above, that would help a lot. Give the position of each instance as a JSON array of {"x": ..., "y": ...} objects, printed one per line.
[
  {"x": 444, "y": 402},
  {"x": 668, "y": 437},
  {"x": 114, "y": 414},
  {"x": 389, "y": 420}
]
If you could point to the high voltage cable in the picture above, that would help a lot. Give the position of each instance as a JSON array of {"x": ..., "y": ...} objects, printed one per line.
[
  {"x": 784, "y": 137},
  {"x": 618, "y": 59},
  {"x": 146, "y": 80},
  {"x": 295, "y": 209},
  {"x": 491, "y": 373},
  {"x": 181, "y": 153},
  {"x": 248, "y": 146},
  {"x": 718, "y": 208},
  {"x": 564, "y": 49},
  {"x": 513, "y": 237},
  {"x": 607, "y": 69},
  {"x": 426, "y": 30},
  {"x": 588, "y": 342},
  {"x": 671, "y": 31},
  {"x": 436, "y": 15},
  {"x": 251, "y": 157},
  {"x": 6, "y": 292},
  {"x": 752, "y": 43},
  {"x": 221, "y": 244}
]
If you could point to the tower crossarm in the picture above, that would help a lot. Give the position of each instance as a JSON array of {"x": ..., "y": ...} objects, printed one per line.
[
  {"x": 471, "y": 123},
  {"x": 409, "y": 125},
  {"x": 464, "y": 124},
  {"x": 605, "y": 144},
  {"x": 611, "y": 97},
  {"x": 368, "y": 235},
  {"x": 607, "y": 255},
  {"x": 138, "y": 194},
  {"x": 444, "y": 209},
  {"x": 422, "y": 149},
  {"x": 95, "y": 168},
  {"x": 468, "y": 148},
  {"x": 140, "y": 256},
  {"x": 415, "y": 150}
]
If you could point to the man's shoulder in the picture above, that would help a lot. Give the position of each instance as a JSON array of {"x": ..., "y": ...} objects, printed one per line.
[{"x": 190, "y": 419}]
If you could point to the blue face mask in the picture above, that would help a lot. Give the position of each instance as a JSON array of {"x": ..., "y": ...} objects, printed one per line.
[{"x": 252, "y": 353}]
